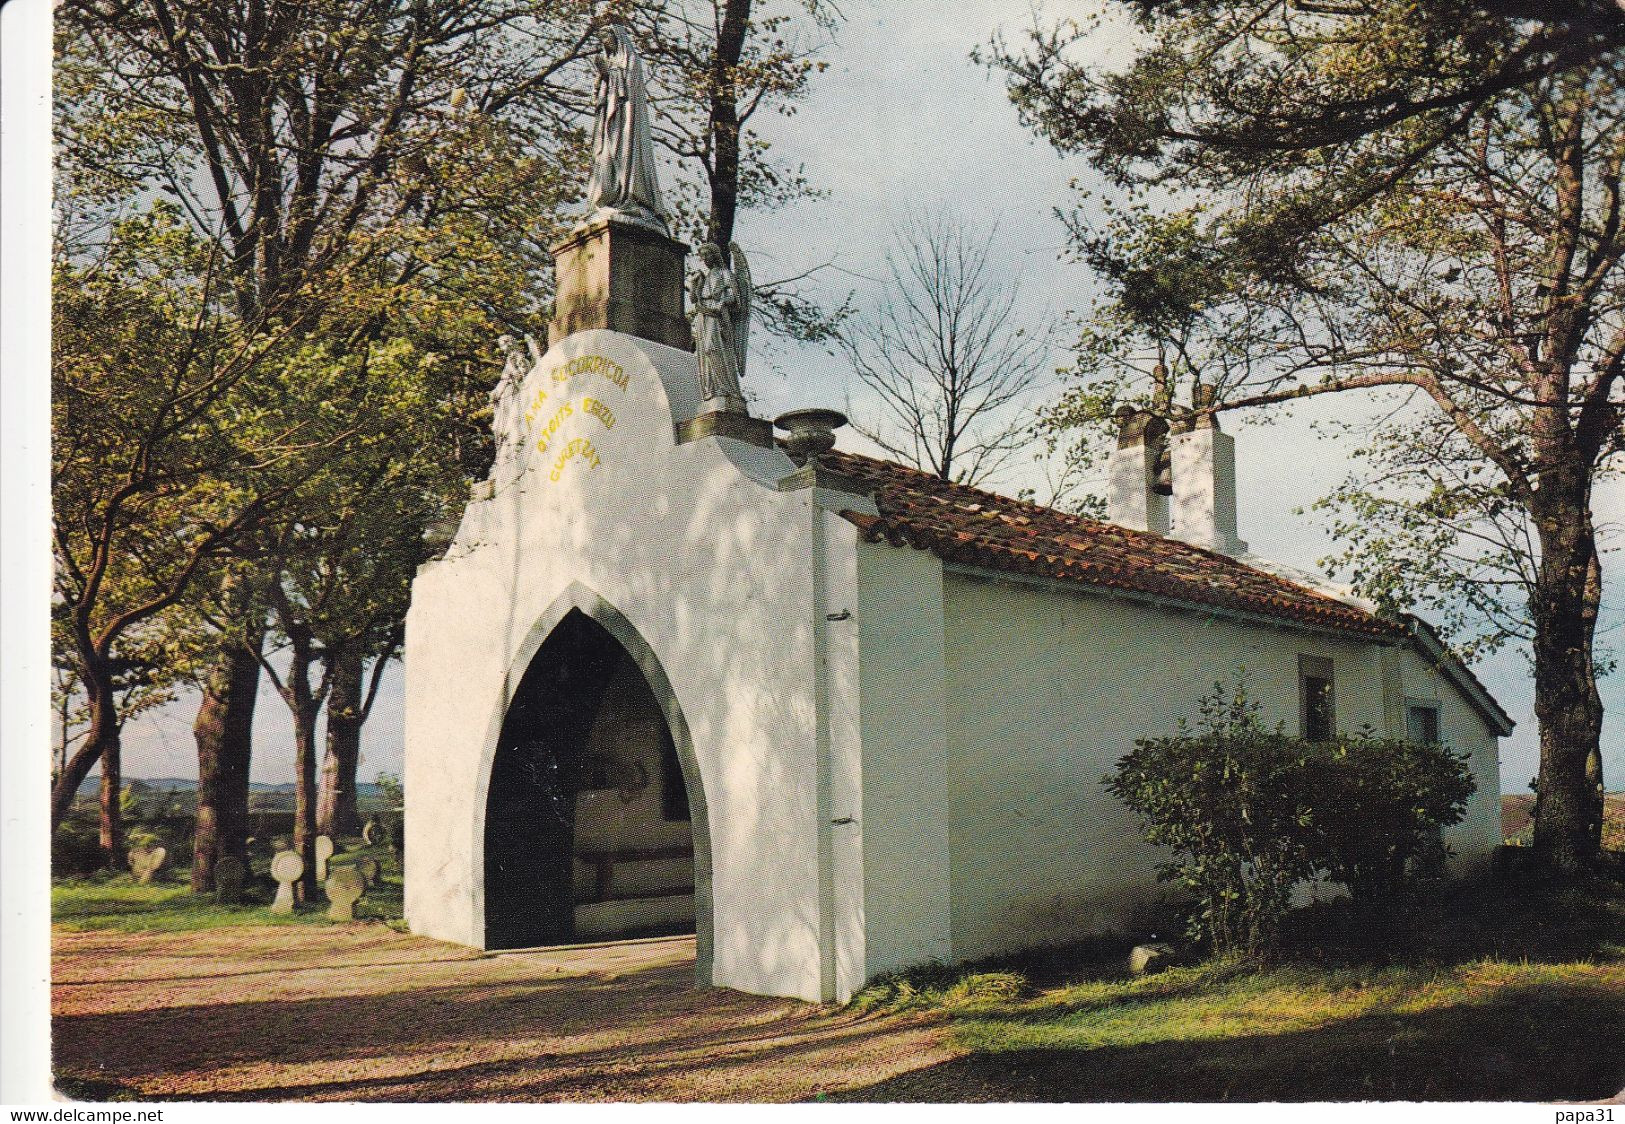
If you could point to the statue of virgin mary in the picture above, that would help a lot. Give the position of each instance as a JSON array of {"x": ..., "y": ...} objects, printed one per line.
[{"x": 623, "y": 180}]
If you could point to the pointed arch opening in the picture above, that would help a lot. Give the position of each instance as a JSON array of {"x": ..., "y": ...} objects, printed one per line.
[{"x": 594, "y": 825}]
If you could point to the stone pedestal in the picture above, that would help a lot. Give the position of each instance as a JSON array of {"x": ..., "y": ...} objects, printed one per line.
[
  {"x": 733, "y": 422},
  {"x": 617, "y": 275}
]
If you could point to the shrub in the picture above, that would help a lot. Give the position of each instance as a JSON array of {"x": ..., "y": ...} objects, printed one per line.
[
  {"x": 76, "y": 847},
  {"x": 1377, "y": 806},
  {"x": 1249, "y": 812}
]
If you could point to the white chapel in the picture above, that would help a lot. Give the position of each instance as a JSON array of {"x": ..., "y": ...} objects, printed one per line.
[{"x": 831, "y": 714}]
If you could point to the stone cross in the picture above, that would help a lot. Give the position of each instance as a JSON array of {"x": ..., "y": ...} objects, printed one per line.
[
  {"x": 368, "y": 866},
  {"x": 287, "y": 868},
  {"x": 344, "y": 886},
  {"x": 324, "y": 851},
  {"x": 146, "y": 862},
  {"x": 228, "y": 880}
]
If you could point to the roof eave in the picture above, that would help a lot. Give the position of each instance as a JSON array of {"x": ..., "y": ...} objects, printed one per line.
[
  {"x": 1458, "y": 673},
  {"x": 1080, "y": 587}
]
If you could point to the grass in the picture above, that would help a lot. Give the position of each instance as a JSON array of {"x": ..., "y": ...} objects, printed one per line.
[
  {"x": 1488, "y": 992},
  {"x": 107, "y": 901},
  {"x": 1497, "y": 989}
]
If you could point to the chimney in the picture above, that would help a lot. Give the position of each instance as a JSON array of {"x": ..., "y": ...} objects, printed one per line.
[
  {"x": 1137, "y": 488},
  {"x": 1203, "y": 461}
]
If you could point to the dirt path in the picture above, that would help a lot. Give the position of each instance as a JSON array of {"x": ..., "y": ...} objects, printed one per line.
[{"x": 364, "y": 1013}]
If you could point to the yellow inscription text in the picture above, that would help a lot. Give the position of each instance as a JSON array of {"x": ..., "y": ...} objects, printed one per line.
[
  {"x": 533, "y": 408},
  {"x": 590, "y": 365},
  {"x": 587, "y": 406},
  {"x": 578, "y": 447},
  {"x": 547, "y": 432}
]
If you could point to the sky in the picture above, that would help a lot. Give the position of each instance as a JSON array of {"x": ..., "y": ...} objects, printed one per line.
[{"x": 904, "y": 122}]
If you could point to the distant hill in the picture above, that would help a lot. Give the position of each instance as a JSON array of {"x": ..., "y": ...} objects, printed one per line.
[
  {"x": 1517, "y": 812},
  {"x": 92, "y": 785}
]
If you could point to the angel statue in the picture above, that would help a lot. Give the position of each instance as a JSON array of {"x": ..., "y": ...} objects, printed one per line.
[
  {"x": 721, "y": 311},
  {"x": 505, "y": 396},
  {"x": 623, "y": 157}
]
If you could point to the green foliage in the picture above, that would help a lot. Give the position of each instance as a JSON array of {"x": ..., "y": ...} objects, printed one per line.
[
  {"x": 1249, "y": 812},
  {"x": 1336, "y": 103},
  {"x": 716, "y": 67},
  {"x": 390, "y": 790},
  {"x": 76, "y": 846},
  {"x": 393, "y": 796},
  {"x": 1377, "y": 807}
]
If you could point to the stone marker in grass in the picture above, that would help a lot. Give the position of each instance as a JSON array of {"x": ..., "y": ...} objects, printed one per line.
[
  {"x": 369, "y": 868},
  {"x": 324, "y": 851},
  {"x": 146, "y": 862},
  {"x": 1147, "y": 958},
  {"x": 344, "y": 886},
  {"x": 287, "y": 868},
  {"x": 229, "y": 873}
]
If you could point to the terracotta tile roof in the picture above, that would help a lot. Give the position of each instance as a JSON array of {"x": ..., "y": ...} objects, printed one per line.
[{"x": 977, "y": 528}]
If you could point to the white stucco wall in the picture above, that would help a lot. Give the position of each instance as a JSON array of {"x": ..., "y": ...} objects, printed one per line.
[
  {"x": 906, "y": 733},
  {"x": 710, "y": 564},
  {"x": 896, "y": 762},
  {"x": 1472, "y": 842},
  {"x": 1047, "y": 688}
]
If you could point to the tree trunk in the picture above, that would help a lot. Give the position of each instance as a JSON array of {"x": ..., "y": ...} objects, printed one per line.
[
  {"x": 724, "y": 121},
  {"x": 103, "y": 731},
  {"x": 112, "y": 825},
  {"x": 1567, "y": 704},
  {"x": 337, "y": 814},
  {"x": 305, "y": 705},
  {"x": 224, "y": 735},
  {"x": 304, "y": 795},
  {"x": 101, "y": 744}
]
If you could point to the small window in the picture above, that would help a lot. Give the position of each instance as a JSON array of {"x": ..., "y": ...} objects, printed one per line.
[
  {"x": 1316, "y": 698},
  {"x": 1422, "y": 722}
]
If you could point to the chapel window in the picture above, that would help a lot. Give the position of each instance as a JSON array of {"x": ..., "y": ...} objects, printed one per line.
[
  {"x": 1316, "y": 698},
  {"x": 1422, "y": 722}
]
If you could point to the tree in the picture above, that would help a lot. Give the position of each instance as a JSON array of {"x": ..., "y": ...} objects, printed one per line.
[
  {"x": 149, "y": 491},
  {"x": 339, "y": 573},
  {"x": 349, "y": 704},
  {"x": 1465, "y": 258},
  {"x": 946, "y": 353},
  {"x": 717, "y": 63},
  {"x": 314, "y": 146},
  {"x": 223, "y": 728},
  {"x": 369, "y": 178},
  {"x": 1228, "y": 90},
  {"x": 715, "y": 66},
  {"x": 374, "y": 564}
]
